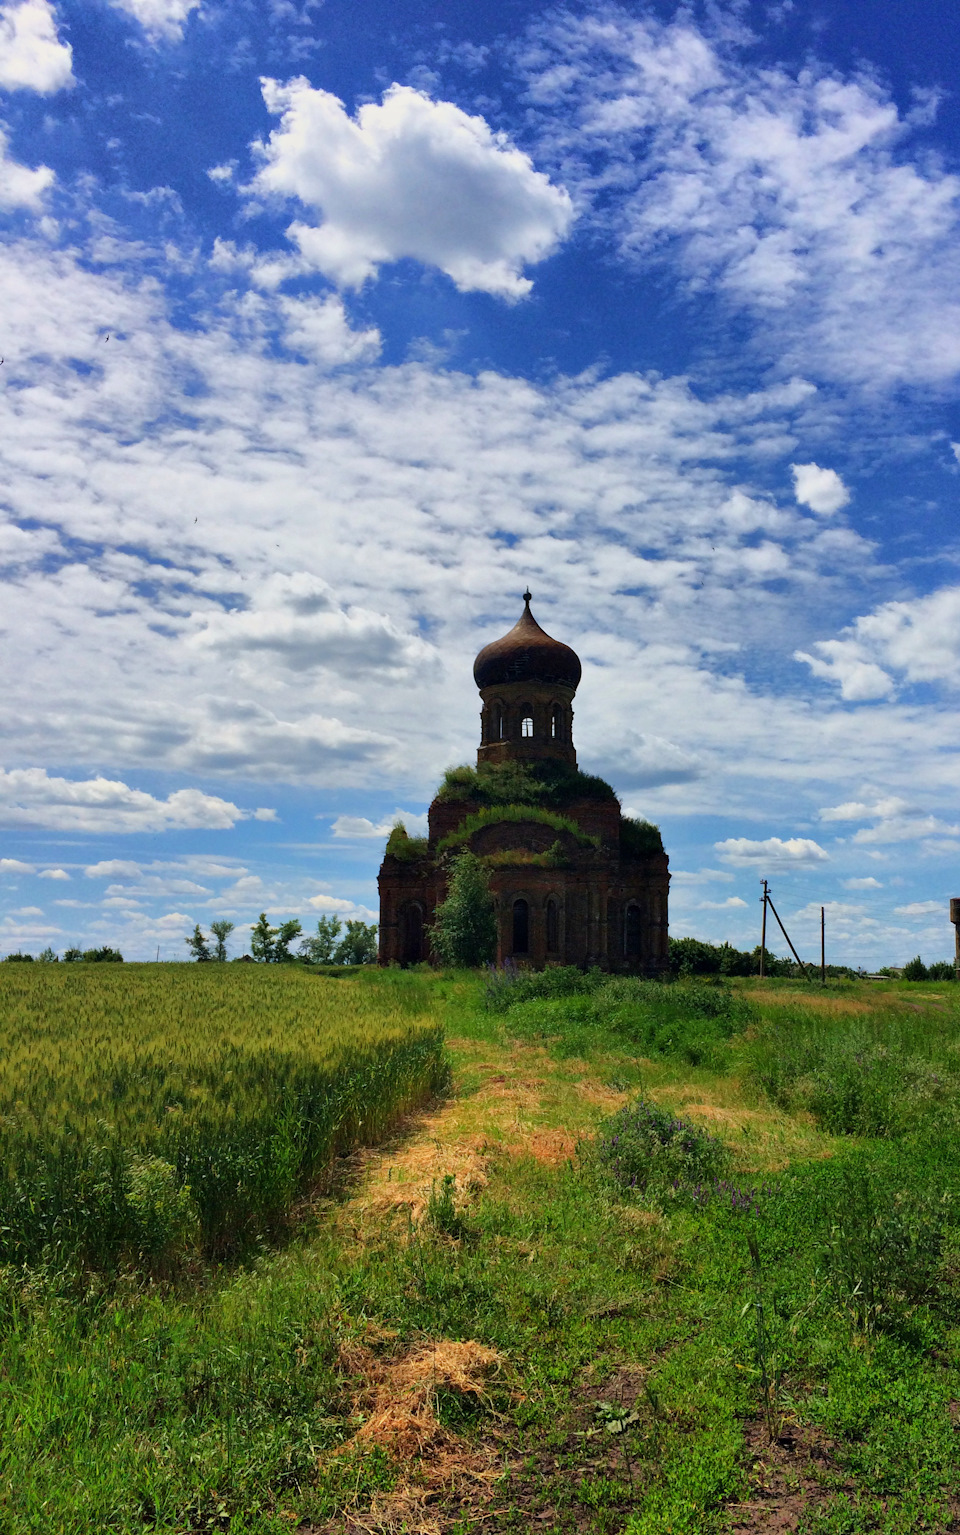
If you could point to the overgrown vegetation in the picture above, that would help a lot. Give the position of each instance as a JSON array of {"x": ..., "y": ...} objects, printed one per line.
[
  {"x": 464, "y": 931},
  {"x": 639, "y": 839},
  {"x": 495, "y": 815},
  {"x": 407, "y": 849},
  {"x": 514, "y": 783},
  {"x": 719, "y": 1315}
]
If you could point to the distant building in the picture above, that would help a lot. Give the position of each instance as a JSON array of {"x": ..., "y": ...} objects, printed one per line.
[{"x": 574, "y": 882}]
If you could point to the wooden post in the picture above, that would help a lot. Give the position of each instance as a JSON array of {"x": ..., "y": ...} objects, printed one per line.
[
  {"x": 763, "y": 931},
  {"x": 823, "y": 951},
  {"x": 955, "y": 919}
]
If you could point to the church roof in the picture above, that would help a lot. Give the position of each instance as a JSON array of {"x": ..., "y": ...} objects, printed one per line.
[{"x": 526, "y": 654}]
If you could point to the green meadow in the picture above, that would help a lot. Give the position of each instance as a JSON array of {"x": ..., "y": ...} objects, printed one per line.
[{"x": 564, "y": 1253}]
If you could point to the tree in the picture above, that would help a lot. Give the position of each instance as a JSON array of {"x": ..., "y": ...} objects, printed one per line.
[
  {"x": 105, "y": 955},
  {"x": 916, "y": 970},
  {"x": 262, "y": 940},
  {"x": 48, "y": 956},
  {"x": 221, "y": 931},
  {"x": 271, "y": 945},
  {"x": 286, "y": 933},
  {"x": 317, "y": 948},
  {"x": 197, "y": 944},
  {"x": 358, "y": 946},
  {"x": 465, "y": 930},
  {"x": 72, "y": 956}
]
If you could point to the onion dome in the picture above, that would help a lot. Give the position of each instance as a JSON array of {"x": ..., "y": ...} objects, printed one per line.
[{"x": 526, "y": 654}]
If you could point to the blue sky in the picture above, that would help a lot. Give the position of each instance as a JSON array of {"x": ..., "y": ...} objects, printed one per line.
[{"x": 327, "y": 327}]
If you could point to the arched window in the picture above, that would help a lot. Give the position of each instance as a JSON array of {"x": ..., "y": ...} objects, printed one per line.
[
  {"x": 631, "y": 932},
  {"x": 411, "y": 934},
  {"x": 501, "y": 726},
  {"x": 526, "y": 723},
  {"x": 521, "y": 927},
  {"x": 556, "y": 723},
  {"x": 553, "y": 926}
]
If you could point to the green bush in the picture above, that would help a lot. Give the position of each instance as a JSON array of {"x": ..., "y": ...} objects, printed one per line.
[
  {"x": 495, "y": 815},
  {"x": 639, "y": 839},
  {"x": 514, "y": 783},
  {"x": 644, "y": 1146},
  {"x": 103, "y": 956},
  {"x": 404, "y": 848},
  {"x": 915, "y": 970}
]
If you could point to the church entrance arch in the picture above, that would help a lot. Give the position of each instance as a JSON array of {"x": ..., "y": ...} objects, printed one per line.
[
  {"x": 521, "y": 926},
  {"x": 411, "y": 934}
]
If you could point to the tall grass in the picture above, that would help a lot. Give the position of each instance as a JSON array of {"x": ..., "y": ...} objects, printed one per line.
[
  {"x": 150, "y": 1110},
  {"x": 886, "y": 1073}
]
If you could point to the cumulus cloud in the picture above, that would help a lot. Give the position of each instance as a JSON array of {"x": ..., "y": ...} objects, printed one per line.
[
  {"x": 359, "y": 828},
  {"x": 162, "y": 20},
  {"x": 30, "y": 797},
  {"x": 58, "y": 874},
  {"x": 791, "y": 194},
  {"x": 319, "y": 329},
  {"x": 408, "y": 178},
  {"x": 16, "y": 866},
  {"x": 19, "y": 186},
  {"x": 867, "y": 883},
  {"x": 865, "y": 810},
  {"x": 821, "y": 489},
  {"x": 916, "y": 640},
  {"x": 299, "y": 621},
  {"x": 32, "y": 57},
  {"x": 787, "y": 853},
  {"x": 924, "y": 909}
]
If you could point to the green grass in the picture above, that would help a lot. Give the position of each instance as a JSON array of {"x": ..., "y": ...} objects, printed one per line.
[{"x": 649, "y": 1335}]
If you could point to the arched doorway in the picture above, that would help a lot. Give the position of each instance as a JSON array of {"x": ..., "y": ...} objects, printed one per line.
[
  {"x": 553, "y": 926},
  {"x": 411, "y": 934},
  {"x": 632, "y": 932},
  {"x": 521, "y": 927}
]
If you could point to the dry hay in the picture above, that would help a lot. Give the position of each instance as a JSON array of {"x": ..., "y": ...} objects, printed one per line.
[{"x": 398, "y": 1399}]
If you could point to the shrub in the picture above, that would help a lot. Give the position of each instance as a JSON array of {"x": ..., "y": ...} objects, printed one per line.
[
  {"x": 644, "y": 1146},
  {"x": 514, "y": 783},
  {"x": 639, "y": 839},
  {"x": 942, "y": 970},
  {"x": 915, "y": 970},
  {"x": 12, "y": 959},
  {"x": 406, "y": 849},
  {"x": 102, "y": 956}
]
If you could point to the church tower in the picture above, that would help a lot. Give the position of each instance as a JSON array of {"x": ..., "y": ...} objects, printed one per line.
[{"x": 573, "y": 880}]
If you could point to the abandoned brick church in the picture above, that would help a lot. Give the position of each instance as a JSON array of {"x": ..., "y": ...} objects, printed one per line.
[{"x": 574, "y": 882}]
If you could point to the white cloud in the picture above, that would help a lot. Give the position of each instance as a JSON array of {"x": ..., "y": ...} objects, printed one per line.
[
  {"x": 867, "y": 883},
  {"x": 409, "y": 178},
  {"x": 732, "y": 903},
  {"x": 787, "y": 853},
  {"x": 917, "y": 640},
  {"x": 820, "y": 489},
  {"x": 924, "y": 909},
  {"x": 113, "y": 868},
  {"x": 30, "y": 797},
  {"x": 331, "y": 903},
  {"x": 59, "y": 874},
  {"x": 162, "y": 20},
  {"x": 792, "y": 194},
  {"x": 861, "y": 810},
  {"x": 20, "y": 187},
  {"x": 320, "y": 330},
  {"x": 357, "y": 827},
  {"x": 32, "y": 57},
  {"x": 298, "y": 620},
  {"x": 15, "y": 866}
]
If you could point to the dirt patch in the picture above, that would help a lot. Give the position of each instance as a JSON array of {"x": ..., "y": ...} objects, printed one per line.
[{"x": 789, "y": 1477}]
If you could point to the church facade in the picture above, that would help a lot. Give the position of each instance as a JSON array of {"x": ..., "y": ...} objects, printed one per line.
[{"x": 573, "y": 881}]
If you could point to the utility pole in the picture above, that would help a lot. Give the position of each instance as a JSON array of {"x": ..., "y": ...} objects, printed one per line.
[
  {"x": 823, "y": 951},
  {"x": 955, "y": 919},
  {"x": 763, "y": 930}
]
